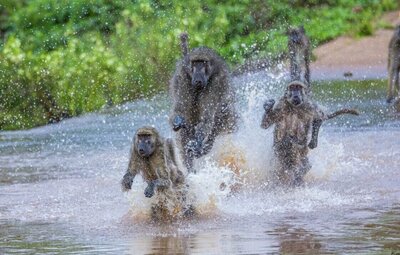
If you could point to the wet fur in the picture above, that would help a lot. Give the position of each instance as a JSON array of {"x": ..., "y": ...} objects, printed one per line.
[
  {"x": 207, "y": 112},
  {"x": 162, "y": 174},
  {"x": 293, "y": 127}
]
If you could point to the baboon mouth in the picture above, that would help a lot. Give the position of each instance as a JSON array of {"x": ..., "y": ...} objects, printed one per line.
[
  {"x": 296, "y": 102},
  {"x": 143, "y": 154},
  {"x": 199, "y": 85}
]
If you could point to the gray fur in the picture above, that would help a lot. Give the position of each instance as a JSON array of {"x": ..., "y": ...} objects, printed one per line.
[{"x": 206, "y": 112}]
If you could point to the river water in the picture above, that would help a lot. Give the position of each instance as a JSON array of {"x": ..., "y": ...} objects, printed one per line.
[{"x": 60, "y": 192}]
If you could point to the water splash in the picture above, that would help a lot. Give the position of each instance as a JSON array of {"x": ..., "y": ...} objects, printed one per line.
[{"x": 238, "y": 169}]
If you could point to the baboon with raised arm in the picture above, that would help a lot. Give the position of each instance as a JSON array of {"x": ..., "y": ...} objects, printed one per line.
[
  {"x": 296, "y": 118},
  {"x": 299, "y": 55},
  {"x": 155, "y": 159},
  {"x": 203, "y": 101},
  {"x": 394, "y": 66}
]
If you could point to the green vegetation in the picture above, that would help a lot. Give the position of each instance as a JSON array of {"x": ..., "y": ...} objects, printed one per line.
[{"x": 61, "y": 58}]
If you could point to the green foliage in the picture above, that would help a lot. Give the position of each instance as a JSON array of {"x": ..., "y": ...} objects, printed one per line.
[{"x": 62, "y": 58}]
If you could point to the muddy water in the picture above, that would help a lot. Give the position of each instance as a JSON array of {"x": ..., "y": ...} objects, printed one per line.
[{"x": 59, "y": 184}]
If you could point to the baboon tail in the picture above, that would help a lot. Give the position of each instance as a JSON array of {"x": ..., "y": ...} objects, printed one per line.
[
  {"x": 184, "y": 43},
  {"x": 343, "y": 111}
]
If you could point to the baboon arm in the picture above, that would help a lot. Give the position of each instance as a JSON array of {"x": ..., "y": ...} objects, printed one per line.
[
  {"x": 270, "y": 117},
  {"x": 184, "y": 43},
  {"x": 182, "y": 101},
  {"x": 131, "y": 172}
]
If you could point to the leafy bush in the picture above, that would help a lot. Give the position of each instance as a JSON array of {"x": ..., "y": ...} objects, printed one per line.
[{"x": 61, "y": 58}]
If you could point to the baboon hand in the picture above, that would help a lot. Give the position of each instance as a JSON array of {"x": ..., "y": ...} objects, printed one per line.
[
  {"x": 126, "y": 183},
  {"x": 149, "y": 191},
  {"x": 268, "y": 105},
  {"x": 313, "y": 144},
  {"x": 179, "y": 122}
]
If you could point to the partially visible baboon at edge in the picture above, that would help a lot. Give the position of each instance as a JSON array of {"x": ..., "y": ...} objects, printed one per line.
[
  {"x": 299, "y": 54},
  {"x": 203, "y": 101},
  {"x": 394, "y": 66},
  {"x": 293, "y": 117},
  {"x": 156, "y": 161}
]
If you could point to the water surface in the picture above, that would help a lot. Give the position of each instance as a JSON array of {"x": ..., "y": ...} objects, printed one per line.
[{"x": 60, "y": 193}]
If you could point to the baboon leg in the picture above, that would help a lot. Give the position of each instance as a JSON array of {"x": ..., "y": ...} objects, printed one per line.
[
  {"x": 301, "y": 172},
  {"x": 185, "y": 135}
]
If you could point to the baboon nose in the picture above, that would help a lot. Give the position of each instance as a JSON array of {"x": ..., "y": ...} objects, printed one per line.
[{"x": 296, "y": 100}]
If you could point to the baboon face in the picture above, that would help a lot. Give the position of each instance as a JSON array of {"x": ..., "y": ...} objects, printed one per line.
[
  {"x": 296, "y": 34},
  {"x": 200, "y": 72},
  {"x": 295, "y": 94},
  {"x": 145, "y": 144}
]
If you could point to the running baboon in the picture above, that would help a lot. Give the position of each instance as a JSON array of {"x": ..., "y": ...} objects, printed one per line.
[
  {"x": 299, "y": 55},
  {"x": 203, "y": 101},
  {"x": 293, "y": 117},
  {"x": 394, "y": 66},
  {"x": 155, "y": 159}
]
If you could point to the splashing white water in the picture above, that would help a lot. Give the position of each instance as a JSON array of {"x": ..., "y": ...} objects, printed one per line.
[{"x": 238, "y": 169}]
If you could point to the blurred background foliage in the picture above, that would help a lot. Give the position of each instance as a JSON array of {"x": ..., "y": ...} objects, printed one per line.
[{"x": 61, "y": 58}]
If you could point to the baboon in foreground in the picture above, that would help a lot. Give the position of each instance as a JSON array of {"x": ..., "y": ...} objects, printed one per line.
[
  {"x": 155, "y": 159},
  {"x": 293, "y": 117},
  {"x": 299, "y": 55},
  {"x": 203, "y": 101},
  {"x": 394, "y": 66}
]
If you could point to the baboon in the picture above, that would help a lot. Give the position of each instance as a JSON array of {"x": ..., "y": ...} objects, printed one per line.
[
  {"x": 299, "y": 55},
  {"x": 394, "y": 66},
  {"x": 155, "y": 159},
  {"x": 203, "y": 101},
  {"x": 293, "y": 117}
]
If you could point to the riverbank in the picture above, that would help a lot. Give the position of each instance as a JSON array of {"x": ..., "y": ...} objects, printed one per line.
[{"x": 355, "y": 58}]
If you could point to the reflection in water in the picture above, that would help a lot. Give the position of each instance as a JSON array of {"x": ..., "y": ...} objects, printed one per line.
[{"x": 298, "y": 241}]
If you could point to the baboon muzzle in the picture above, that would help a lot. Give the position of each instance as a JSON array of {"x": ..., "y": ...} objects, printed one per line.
[
  {"x": 296, "y": 100},
  {"x": 198, "y": 81}
]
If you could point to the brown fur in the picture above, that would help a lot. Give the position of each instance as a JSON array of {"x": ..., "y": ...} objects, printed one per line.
[
  {"x": 293, "y": 127},
  {"x": 161, "y": 170},
  {"x": 208, "y": 111},
  {"x": 394, "y": 66}
]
